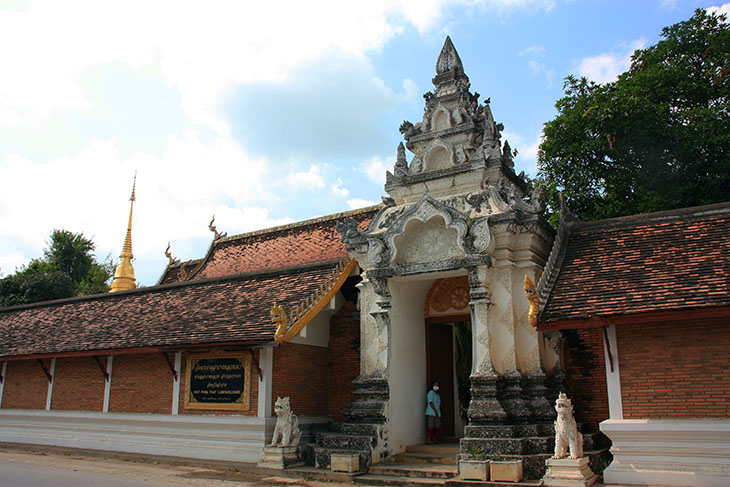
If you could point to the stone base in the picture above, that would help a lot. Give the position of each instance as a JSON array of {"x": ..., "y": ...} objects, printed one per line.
[
  {"x": 280, "y": 457},
  {"x": 567, "y": 472},
  {"x": 345, "y": 462},
  {"x": 506, "y": 471},
  {"x": 474, "y": 470}
]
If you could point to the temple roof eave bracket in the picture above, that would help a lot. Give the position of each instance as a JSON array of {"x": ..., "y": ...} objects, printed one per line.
[{"x": 289, "y": 326}]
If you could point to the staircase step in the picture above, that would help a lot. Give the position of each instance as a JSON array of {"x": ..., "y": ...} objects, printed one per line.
[
  {"x": 436, "y": 458},
  {"x": 446, "y": 449},
  {"x": 359, "y": 429},
  {"x": 415, "y": 470},
  {"x": 344, "y": 442},
  {"x": 457, "y": 482},
  {"x": 370, "y": 479}
]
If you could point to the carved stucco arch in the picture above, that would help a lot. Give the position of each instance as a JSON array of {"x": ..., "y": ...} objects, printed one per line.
[
  {"x": 439, "y": 114},
  {"x": 472, "y": 236},
  {"x": 428, "y": 155}
]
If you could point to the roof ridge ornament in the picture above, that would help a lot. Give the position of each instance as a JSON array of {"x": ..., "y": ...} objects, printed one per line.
[
  {"x": 565, "y": 214},
  {"x": 449, "y": 59},
  {"x": 172, "y": 260},
  {"x": 212, "y": 228}
]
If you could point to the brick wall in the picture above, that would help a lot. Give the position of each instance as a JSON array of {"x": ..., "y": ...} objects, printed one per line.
[
  {"x": 26, "y": 386},
  {"x": 300, "y": 372},
  {"x": 585, "y": 372},
  {"x": 141, "y": 384},
  {"x": 675, "y": 370},
  {"x": 78, "y": 385},
  {"x": 253, "y": 398},
  {"x": 343, "y": 360}
]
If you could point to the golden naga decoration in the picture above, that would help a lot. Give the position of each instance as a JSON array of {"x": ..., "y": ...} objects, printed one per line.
[
  {"x": 213, "y": 229},
  {"x": 287, "y": 327},
  {"x": 531, "y": 293},
  {"x": 172, "y": 260}
]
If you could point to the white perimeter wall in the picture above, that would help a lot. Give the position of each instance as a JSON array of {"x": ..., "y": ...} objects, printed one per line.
[
  {"x": 408, "y": 363},
  {"x": 231, "y": 438}
]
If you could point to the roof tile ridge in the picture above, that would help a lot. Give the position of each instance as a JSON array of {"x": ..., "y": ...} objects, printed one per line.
[
  {"x": 677, "y": 214},
  {"x": 279, "y": 271},
  {"x": 176, "y": 265},
  {"x": 204, "y": 260},
  {"x": 550, "y": 274},
  {"x": 303, "y": 223}
]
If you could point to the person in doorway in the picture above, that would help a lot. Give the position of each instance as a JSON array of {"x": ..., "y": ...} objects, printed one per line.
[{"x": 433, "y": 414}]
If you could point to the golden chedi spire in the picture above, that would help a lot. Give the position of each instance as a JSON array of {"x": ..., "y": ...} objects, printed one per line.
[{"x": 124, "y": 274}]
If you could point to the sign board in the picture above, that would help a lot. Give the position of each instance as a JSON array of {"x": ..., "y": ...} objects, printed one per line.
[{"x": 218, "y": 381}]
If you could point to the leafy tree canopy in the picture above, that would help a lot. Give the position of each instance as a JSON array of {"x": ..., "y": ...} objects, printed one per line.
[
  {"x": 656, "y": 138},
  {"x": 68, "y": 268}
]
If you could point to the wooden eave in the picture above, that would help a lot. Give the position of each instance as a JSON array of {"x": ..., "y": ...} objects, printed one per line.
[
  {"x": 684, "y": 314},
  {"x": 194, "y": 347}
]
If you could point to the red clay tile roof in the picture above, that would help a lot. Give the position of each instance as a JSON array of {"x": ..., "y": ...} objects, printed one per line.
[
  {"x": 179, "y": 271},
  {"x": 298, "y": 243},
  {"x": 223, "y": 310},
  {"x": 671, "y": 260}
]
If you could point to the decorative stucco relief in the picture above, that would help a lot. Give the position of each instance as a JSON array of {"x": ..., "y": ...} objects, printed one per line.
[
  {"x": 448, "y": 296},
  {"x": 427, "y": 242},
  {"x": 368, "y": 332},
  {"x": 472, "y": 236},
  {"x": 479, "y": 304}
]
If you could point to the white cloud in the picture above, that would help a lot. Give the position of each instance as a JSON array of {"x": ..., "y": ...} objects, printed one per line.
[
  {"x": 604, "y": 68},
  {"x": 311, "y": 179},
  {"x": 411, "y": 90},
  {"x": 527, "y": 147},
  {"x": 10, "y": 262},
  {"x": 533, "y": 51},
  {"x": 375, "y": 169},
  {"x": 357, "y": 203},
  {"x": 76, "y": 120},
  {"x": 535, "y": 67},
  {"x": 338, "y": 190},
  {"x": 722, "y": 9}
]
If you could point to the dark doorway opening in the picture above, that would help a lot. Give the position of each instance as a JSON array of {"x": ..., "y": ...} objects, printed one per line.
[{"x": 448, "y": 361}]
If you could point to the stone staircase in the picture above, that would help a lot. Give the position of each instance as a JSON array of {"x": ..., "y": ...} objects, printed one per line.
[
  {"x": 419, "y": 465},
  {"x": 360, "y": 434},
  {"x": 350, "y": 438},
  {"x": 532, "y": 443}
]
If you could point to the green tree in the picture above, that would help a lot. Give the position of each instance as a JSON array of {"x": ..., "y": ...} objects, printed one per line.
[
  {"x": 656, "y": 138},
  {"x": 68, "y": 268},
  {"x": 29, "y": 287}
]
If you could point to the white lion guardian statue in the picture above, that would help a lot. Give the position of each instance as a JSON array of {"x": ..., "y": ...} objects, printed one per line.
[
  {"x": 286, "y": 431},
  {"x": 566, "y": 431}
]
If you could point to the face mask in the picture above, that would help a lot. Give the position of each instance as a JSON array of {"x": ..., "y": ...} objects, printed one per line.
[{"x": 435, "y": 388}]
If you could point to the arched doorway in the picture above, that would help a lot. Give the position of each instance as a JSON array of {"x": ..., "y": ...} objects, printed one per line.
[{"x": 449, "y": 350}]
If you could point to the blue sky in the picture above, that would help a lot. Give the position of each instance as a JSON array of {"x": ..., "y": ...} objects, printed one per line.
[{"x": 261, "y": 114}]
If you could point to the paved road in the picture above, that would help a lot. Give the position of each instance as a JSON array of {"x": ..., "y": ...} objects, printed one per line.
[{"x": 40, "y": 469}]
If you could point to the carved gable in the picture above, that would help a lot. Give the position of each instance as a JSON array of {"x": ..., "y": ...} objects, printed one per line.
[{"x": 427, "y": 241}]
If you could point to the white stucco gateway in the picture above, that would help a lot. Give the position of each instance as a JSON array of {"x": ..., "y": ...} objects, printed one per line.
[{"x": 457, "y": 209}]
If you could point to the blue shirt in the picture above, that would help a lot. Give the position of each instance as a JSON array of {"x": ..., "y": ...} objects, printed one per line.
[{"x": 434, "y": 398}]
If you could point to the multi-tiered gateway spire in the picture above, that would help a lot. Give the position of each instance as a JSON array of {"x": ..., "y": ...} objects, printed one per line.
[
  {"x": 456, "y": 136},
  {"x": 124, "y": 274}
]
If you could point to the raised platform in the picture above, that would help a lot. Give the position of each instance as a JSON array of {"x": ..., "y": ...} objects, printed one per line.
[
  {"x": 228, "y": 438},
  {"x": 692, "y": 452}
]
